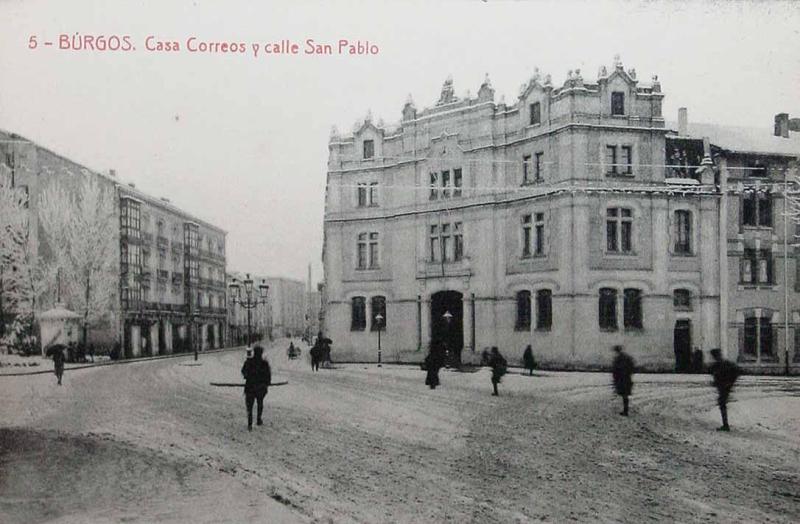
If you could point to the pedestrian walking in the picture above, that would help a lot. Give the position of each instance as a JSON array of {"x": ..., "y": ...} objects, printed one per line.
[
  {"x": 56, "y": 352},
  {"x": 316, "y": 354},
  {"x": 433, "y": 363},
  {"x": 527, "y": 359},
  {"x": 725, "y": 374},
  {"x": 499, "y": 368},
  {"x": 257, "y": 377},
  {"x": 622, "y": 373}
]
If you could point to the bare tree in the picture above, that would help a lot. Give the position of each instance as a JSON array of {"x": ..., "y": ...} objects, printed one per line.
[{"x": 80, "y": 225}]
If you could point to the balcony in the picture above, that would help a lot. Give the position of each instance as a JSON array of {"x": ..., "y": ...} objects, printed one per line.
[
  {"x": 162, "y": 242},
  {"x": 147, "y": 237},
  {"x": 177, "y": 279},
  {"x": 427, "y": 268},
  {"x": 162, "y": 275}
]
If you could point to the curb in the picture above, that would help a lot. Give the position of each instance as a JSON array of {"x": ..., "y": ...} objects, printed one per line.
[{"x": 124, "y": 361}]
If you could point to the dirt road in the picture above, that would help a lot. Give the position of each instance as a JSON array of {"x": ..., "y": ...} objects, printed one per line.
[{"x": 363, "y": 444}]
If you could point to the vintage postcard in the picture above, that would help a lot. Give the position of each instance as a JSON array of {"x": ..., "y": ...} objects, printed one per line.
[{"x": 399, "y": 261}]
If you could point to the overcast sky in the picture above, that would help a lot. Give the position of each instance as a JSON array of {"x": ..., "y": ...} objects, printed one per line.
[{"x": 242, "y": 141}]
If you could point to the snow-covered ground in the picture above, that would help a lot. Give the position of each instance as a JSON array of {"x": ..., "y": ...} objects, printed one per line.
[{"x": 155, "y": 441}]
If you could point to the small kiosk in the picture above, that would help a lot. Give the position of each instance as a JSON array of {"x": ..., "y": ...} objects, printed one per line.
[{"x": 59, "y": 326}]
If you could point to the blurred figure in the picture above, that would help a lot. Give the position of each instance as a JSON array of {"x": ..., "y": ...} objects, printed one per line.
[
  {"x": 697, "y": 360},
  {"x": 622, "y": 373},
  {"x": 725, "y": 374},
  {"x": 316, "y": 353},
  {"x": 257, "y": 376},
  {"x": 56, "y": 352},
  {"x": 527, "y": 359},
  {"x": 433, "y": 363},
  {"x": 499, "y": 368}
]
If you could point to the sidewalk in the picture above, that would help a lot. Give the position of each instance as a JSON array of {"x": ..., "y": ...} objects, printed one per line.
[{"x": 45, "y": 365}]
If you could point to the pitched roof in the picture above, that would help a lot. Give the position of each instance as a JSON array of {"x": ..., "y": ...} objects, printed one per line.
[{"x": 738, "y": 139}]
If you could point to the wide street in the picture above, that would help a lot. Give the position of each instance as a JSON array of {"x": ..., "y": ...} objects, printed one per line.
[{"x": 153, "y": 441}]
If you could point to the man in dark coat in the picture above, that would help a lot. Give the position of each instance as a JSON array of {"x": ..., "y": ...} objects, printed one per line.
[
  {"x": 725, "y": 374},
  {"x": 316, "y": 354},
  {"x": 433, "y": 363},
  {"x": 622, "y": 373},
  {"x": 57, "y": 353},
  {"x": 499, "y": 368},
  {"x": 257, "y": 377},
  {"x": 527, "y": 359}
]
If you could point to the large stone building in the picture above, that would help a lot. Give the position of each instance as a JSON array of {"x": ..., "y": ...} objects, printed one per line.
[
  {"x": 557, "y": 221},
  {"x": 171, "y": 265},
  {"x": 287, "y": 299},
  {"x": 172, "y": 273}
]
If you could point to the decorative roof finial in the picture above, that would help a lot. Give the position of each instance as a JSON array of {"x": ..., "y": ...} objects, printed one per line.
[
  {"x": 632, "y": 73},
  {"x": 334, "y": 132},
  {"x": 536, "y": 74},
  {"x": 603, "y": 73},
  {"x": 617, "y": 61},
  {"x": 548, "y": 80},
  {"x": 368, "y": 118},
  {"x": 486, "y": 91},
  {"x": 410, "y": 100},
  {"x": 447, "y": 95}
]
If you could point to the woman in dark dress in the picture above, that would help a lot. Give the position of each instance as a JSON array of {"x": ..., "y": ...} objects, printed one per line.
[{"x": 433, "y": 363}]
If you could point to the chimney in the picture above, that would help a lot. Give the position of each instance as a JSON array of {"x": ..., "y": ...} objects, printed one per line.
[
  {"x": 683, "y": 121},
  {"x": 782, "y": 125},
  {"x": 112, "y": 173}
]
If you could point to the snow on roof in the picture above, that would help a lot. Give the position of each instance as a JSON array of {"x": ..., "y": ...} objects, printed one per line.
[
  {"x": 739, "y": 139},
  {"x": 58, "y": 313}
]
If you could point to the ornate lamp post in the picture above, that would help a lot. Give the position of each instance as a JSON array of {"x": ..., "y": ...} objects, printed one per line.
[
  {"x": 379, "y": 321},
  {"x": 247, "y": 300}
]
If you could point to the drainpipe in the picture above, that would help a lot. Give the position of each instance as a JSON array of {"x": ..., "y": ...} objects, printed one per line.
[{"x": 723, "y": 257}]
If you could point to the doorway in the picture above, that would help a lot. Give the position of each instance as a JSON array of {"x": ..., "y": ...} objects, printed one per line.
[
  {"x": 682, "y": 343},
  {"x": 447, "y": 322}
]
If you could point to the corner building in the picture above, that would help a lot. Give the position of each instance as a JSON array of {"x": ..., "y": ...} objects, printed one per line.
[{"x": 552, "y": 222}]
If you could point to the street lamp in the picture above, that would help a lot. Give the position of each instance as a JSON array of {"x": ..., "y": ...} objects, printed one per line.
[
  {"x": 247, "y": 300},
  {"x": 379, "y": 320}
]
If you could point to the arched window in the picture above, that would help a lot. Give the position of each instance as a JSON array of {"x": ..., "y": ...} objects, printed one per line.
[
  {"x": 633, "y": 309},
  {"x": 544, "y": 309},
  {"x": 358, "y": 319},
  {"x": 523, "y": 310},
  {"x": 378, "y": 305},
  {"x": 608, "y": 309}
]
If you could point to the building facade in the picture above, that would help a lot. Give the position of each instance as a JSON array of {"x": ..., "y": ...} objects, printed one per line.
[
  {"x": 555, "y": 221},
  {"x": 287, "y": 298},
  {"x": 171, "y": 268},
  {"x": 172, "y": 278}
]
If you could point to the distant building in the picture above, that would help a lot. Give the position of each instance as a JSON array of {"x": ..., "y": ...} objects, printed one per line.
[
  {"x": 287, "y": 299},
  {"x": 260, "y": 316},
  {"x": 573, "y": 219}
]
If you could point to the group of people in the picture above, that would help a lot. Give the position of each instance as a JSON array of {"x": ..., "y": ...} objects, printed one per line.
[
  {"x": 723, "y": 371},
  {"x": 320, "y": 352},
  {"x": 437, "y": 358}
]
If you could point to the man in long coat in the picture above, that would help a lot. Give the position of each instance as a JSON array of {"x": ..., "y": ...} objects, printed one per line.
[
  {"x": 257, "y": 377},
  {"x": 725, "y": 374},
  {"x": 622, "y": 373}
]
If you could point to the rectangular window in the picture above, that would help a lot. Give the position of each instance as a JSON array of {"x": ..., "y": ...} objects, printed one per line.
[
  {"x": 757, "y": 208},
  {"x": 539, "y": 238},
  {"x": 523, "y": 311},
  {"x": 378, "y": 305},
  {"x": 633, "y": 309},
  {"x": 458, "y": 242},
  {"x": 526, "y": 166},
  {"x": 765, "y": 337},
  {"x": 618, "y": 103},
  {"x": 362, "y": 251},
  {"x": 750, "y": 337},
  {"x": 536, "y": 113},
  {"x": 445, "y": 242},
  {"x": 683, "y": 232},
  {"x": 434, "y": 187},
  {"x": 358, "y": 319},
  {"x": 457, "y": 182},
  {"x": 608, "y": 309},
  {"x": 362, "y": 195},
  {"x": 527, "y": 225},
  {"x": 612, "y": 221},
  {"x": 538, "y": 166},
  {"x": 748, "y": 266},
  {"x": 611, "y": 160},
  {"x": 445, "y": 184},
  {"x": 544, "y": 309},
  {"x": 374, "y": 261},
  {"x": 434, "y": 238},
  {"x": 619, "y": 230},
  {"x": 373, "y": 194},
  {"x": 369, "y": 149},
  {"x": 682, "y": 299},
  {"x": 765, "y": 267},
  {"x": 627, "y": 159}
]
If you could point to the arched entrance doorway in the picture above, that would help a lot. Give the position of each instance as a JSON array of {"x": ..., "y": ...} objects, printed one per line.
[{"x": 447, "y": 322}]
